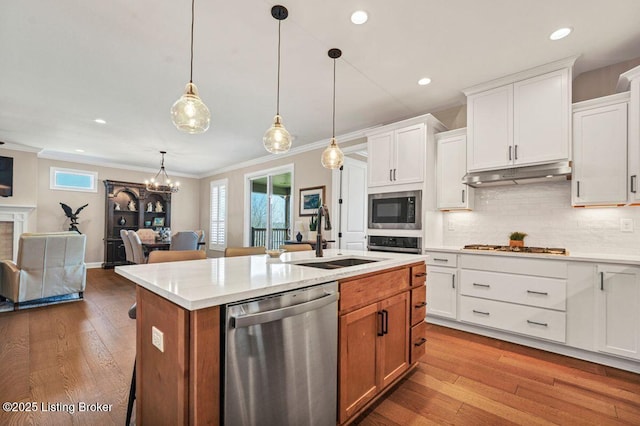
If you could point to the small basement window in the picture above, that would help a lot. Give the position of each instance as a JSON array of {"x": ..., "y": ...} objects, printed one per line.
[{"x": 73, "y": 180}]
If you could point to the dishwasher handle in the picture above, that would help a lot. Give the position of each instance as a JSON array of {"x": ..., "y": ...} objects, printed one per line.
[{"x": 280, "y": 313}]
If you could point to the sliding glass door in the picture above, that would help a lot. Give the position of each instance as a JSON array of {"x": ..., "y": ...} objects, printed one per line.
[{"x": 269, "y": 208}]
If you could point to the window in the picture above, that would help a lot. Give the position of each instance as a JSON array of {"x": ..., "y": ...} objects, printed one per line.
[
  {"x": 73, "y": 180},
  {"x": 218, "y": 233}
]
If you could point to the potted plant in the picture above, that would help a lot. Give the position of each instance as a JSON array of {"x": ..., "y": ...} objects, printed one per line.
[
  {"x": 516, "y": 239},
  {"x": 313, "y": 227}
]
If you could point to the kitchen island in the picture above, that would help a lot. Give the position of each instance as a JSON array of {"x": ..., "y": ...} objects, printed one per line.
[{"x": 180, "y": 310}]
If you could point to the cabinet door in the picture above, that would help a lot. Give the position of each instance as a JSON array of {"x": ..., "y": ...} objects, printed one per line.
[
  {"x": 380, "y": 151},
  {"x": 451, "y": 167},
  {"x": 410, "y": 149},
  {"x": 357, "y": 370},
  {"x": 393, "y": 346},
  {"x": 541, "y": 114},
  {"x": 600, "y": 155},
  {"x": 618, "y": 310},
  {"x": 634, "y": 141},
  {"x": 490, "y": 129},
  {"x": 441, "y": 292}
]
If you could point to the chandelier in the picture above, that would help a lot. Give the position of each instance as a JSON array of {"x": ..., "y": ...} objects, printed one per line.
[{"x": 161, "y": 183}]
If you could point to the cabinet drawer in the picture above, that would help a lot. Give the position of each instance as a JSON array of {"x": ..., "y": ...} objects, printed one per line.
[
  {"x": 515, "y": 265},
  {"x": 548, "y": 293},
  {"x": 442, "y": 259},
  {"x": 536, "y": 322},
  {"x": 418, "y": 275},
  {"x": 418, "y": 341},
  {"x": 418, "y": 304},
  {"x": 363, "y": 291}
]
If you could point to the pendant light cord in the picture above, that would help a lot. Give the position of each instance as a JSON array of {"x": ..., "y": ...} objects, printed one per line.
[
  {"x": 333, "y": 132},
  {"x": 193, "y": 5},
  {"x": 278, "y": 85}
]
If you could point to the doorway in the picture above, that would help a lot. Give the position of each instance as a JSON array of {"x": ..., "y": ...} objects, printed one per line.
[{"x": 268, "y": 207}]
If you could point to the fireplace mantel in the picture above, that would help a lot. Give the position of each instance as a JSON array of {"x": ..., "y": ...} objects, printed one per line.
[{"x": 19, "y": 215}]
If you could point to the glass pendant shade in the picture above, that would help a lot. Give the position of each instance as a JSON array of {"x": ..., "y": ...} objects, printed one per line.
[
  {"x": 189, "y": 113},
  {"x": 332, "y": 157},
  {"x": 277, "y": 139}
]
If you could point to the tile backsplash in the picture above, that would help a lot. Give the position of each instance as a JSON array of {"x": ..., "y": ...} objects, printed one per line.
[{"x": 544, "y": 212}]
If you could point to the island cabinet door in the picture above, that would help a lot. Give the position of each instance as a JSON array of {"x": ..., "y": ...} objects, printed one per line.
[
  {"x": 393, "y": 345},
  {"x": 359, "y": 332}
]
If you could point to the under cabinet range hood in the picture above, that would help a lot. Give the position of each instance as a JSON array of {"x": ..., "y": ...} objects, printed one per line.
[{"x": 519, "y": 175}]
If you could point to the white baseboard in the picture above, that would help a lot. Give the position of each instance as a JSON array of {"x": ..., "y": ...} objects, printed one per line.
[{"x": 93, "y": 265}]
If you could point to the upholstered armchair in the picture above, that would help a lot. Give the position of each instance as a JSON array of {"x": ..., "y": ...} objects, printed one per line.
[{"x": 49, "y": 264}]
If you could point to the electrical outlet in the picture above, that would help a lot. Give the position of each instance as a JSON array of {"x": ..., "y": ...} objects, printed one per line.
[
  {"x": 451, "y": 226},
  {"x": 626, "y": 225},
  {"x": 157, "y": 338}
]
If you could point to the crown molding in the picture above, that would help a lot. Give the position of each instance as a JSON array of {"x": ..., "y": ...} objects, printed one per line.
[{"x": 18, "y": 147}]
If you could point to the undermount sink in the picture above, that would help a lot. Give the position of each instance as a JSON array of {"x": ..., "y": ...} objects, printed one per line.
[{"x": 338, "y": 263}]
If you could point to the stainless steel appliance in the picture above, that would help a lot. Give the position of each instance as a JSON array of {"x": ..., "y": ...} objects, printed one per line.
[
  {"x": 399, "y": 244},
  {"x": 519, "y": 175},
  {"x": 281, "y": 359},
  {"x": 525, "y": 249},
  {"x": 395, "y": 210}
]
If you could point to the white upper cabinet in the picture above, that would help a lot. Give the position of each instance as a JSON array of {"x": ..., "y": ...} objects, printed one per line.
[
  {"x": 397, "y": 156},
  {"x": 451, "y": 166},
  {"x": 490, "y": 129},
  {"x": 520, "y": 120},
  {"x": 630, "y": 81},
  {"x": 600, "y": 151},
  {"x": 541, "y": 114}
]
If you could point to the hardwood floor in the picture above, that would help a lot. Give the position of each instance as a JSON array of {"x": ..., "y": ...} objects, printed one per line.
[
  {"x": 70, "y": 353},
  {"x": 84, "y": 351}
]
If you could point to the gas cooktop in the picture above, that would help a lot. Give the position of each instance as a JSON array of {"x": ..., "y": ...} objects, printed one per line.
[{"x": 542, "y": 250}]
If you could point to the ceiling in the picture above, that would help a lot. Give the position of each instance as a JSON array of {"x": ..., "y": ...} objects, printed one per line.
[{"x": 65, "y": 63}]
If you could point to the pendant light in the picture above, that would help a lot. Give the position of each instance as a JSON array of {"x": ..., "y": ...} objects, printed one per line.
[
  {"x": 189, "y": 113},
  {"x": 277, "y": 139},
  {"x": 161, "y": 183},
  {"x": 332, "y": 157}
]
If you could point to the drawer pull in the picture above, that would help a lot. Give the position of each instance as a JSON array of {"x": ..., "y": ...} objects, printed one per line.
[
  {"x": 481, "y": 285},
  {"x": 544, "y": 293},
  {"x": 544, "y": 324},
  {"x": 420, "y": 275},
  {"x": 420, "y": 342},
  {"x": 420, "y": 305},
  {"x": 481, "y": 312},
  {"x": 437, "y": 259}
]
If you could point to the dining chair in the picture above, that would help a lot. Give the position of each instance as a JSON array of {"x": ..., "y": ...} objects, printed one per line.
[
  {"x": 201, "y": 241},
  {"x": 184, "y": 240},
  {"x": 244, "y": 251},
  {"x": 128, "y": 251},
  {"x": 146, "y": 235},
  {"x": 296, "y": 247},
  {"x": 159, "y": 256},
  {"x": 136, "y": 247}
]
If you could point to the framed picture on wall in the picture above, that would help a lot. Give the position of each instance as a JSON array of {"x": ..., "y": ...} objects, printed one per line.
[
  {"x": 158, "y": 221},
  {"x": 310, "y": 199}
]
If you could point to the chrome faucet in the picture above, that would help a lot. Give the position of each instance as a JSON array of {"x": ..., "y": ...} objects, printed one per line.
[{"x": 322, "y": 211}]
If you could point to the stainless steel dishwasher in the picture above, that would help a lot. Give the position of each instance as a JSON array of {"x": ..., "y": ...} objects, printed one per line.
[{"x": 281, "y": 359}]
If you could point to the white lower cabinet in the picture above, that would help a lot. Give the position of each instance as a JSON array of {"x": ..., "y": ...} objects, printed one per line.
[
  {"x": 618, "y": 310},
  {"x": 441, "y": 291}
]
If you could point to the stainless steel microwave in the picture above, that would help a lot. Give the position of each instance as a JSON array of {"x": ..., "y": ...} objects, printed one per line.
[{"x": 395, "y": 210}]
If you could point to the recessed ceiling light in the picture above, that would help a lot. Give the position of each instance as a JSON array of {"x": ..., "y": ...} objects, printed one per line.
[
  {"x": 549, "y": 176},
  {"x": 560, "y": 33},
  {"x": 79, "y": 150},
  {"x": 359, "y": 17},
  {"x": 424, "y": 81},
  {"x": 100, "y": 121}
]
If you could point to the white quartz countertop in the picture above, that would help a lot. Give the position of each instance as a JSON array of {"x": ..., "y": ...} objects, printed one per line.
[
  {"x": 572, "y": 256},
  {"x": 198, "y": 284}
]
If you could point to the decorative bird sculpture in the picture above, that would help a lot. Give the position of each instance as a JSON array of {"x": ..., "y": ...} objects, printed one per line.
[{"x": 72, "y": 216}]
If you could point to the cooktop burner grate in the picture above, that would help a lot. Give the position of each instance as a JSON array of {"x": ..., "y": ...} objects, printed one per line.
[{"x": 543, "y": 250}]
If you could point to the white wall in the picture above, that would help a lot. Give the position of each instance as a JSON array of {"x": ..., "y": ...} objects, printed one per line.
[{"x": 544, "y": 212}]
